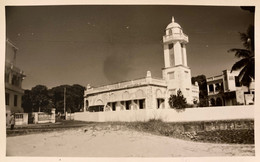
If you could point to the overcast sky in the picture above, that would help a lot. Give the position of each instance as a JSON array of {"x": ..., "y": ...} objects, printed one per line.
[{"x": 106, "y": 44}]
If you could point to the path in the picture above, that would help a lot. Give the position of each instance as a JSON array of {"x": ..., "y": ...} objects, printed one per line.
[{"x": 92, "y": 142}]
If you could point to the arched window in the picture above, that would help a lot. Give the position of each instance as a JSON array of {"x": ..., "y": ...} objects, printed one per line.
[
  {"x": 218, "y": 102},
  {"x": 212, "y": 102}
]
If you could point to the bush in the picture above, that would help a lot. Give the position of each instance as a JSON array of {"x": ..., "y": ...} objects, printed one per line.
[{"x": 177, "y": 101}]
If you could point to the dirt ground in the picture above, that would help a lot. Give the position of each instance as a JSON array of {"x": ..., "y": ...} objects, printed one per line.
[{"x": 115, "y": 142}]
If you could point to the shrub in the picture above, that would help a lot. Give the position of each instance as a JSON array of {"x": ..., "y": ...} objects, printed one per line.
[{"x": 177, "y": 101}]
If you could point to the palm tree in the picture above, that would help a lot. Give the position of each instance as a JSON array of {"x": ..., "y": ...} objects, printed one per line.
[{"x": 247, "y": 57}]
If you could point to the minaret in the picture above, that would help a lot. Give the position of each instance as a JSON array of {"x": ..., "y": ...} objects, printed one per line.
[
  {"x": 175, "y": 45},
  {"x": 176, "y": 71}
]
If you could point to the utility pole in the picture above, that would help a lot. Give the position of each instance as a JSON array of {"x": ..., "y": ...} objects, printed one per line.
[{"x": 64, "y": 102}]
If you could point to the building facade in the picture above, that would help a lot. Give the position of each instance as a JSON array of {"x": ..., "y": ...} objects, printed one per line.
[
  {"x": 149, "y": 92},
  {"x": 13, "y": 81},
  {"x": 225, "y": 90}
]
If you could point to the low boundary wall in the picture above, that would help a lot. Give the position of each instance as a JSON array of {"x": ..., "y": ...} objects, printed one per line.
[
  {"x": 21, "y": 118},
  {"x": 171, "y": 115}
]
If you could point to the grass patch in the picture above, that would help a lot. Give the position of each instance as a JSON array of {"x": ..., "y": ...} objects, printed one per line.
[
  {"x": 227, "y": 136},
  {"x": 157, "y": 127},
  {"x": 176, "y": 130}
]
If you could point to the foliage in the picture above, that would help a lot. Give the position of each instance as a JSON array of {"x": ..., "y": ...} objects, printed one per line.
[
  {"x": 177, "y": 101},
  {"x": 246, "y": 64},
  {"x": 40, "y": 99},
  {"x": 26, "y": 102},
  {"x": 203, "y": 92},
  {"x": 155, "y": 126},
  {"x": 240, "y": 136},
  {"x": 179, "y": 130},
  {"x": 74, "y": 97}
]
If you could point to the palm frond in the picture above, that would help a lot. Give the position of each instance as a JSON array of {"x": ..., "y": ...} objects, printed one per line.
[
  {"x": 244, "y": 38},
  {"x": 241, "y": 53},
  {"x": 239, "y": 64},
  {"x": 251, "y": 68},
  {"x": 246, "y": 74},
  {"x": 242, "y": 73}
]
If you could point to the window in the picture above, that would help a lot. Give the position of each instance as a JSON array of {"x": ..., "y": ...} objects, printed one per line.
[
  {"x": 212, "y": 102},
  {"x": 16, "y": 80},
  {"x": 211, "y": 88},
  {"x": 217, "y": 87},
  {"x": 86, "y": 105},
  {"x": 13, "y": 79},
  {"x": 170, "y": 32},
  {"x": 114, "y": 106},
  {"x": 142, "y": 104},
  {"x": 127, "y": 105},
  {"x": 160, "y": 102},
  {"x": 7, "y": 98},
  {"x": 15, "y": 100},
  {"x": 170, "y": 46}
]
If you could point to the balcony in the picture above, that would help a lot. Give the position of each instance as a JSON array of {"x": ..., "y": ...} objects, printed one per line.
[
  {"x": 14, "y": 68},
  {"x": 176, "y": 36}
]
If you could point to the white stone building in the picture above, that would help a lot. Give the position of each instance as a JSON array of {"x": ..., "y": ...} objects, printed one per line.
[
  {"x": 225, "y": 90},
  {"x": 149, "y": 92},
  {"x": 13, "y": 81}
]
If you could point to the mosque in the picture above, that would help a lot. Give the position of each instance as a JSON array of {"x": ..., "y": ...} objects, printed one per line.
[{"x": 149, "y": 92}]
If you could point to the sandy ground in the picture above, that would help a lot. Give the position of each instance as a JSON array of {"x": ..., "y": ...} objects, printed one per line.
[{"x": 95, "y": 142}]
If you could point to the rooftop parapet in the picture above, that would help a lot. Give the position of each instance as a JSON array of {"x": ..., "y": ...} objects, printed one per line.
[
  {"x": 126, "y": 84},
  {"x": 214, "y": 78}
]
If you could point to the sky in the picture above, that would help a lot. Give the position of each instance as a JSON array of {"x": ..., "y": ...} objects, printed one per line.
[{"x": 100, "y": 45}]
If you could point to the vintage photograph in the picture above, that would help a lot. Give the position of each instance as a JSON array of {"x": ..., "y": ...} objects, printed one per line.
[{"x": 130, "y": 81}]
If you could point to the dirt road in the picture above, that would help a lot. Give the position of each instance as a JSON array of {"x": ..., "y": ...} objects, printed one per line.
[{"x": 116, "y": 142}]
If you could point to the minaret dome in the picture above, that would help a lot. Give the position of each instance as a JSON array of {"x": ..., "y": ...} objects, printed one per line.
[{"x": 173, "y": 27}]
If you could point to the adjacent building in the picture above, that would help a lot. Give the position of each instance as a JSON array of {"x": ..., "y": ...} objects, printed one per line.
[
  {"x": 226, "y": 90},
  {"x": 13, "y": 81},
  {"x": 149, "y": 92}
]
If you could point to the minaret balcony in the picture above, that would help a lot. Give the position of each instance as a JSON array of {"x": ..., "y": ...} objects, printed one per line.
[{"x": 176, "y": 37}]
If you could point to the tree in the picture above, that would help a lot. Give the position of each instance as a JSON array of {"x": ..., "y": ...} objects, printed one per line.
[
  {"x": 177, "y": 101},
  {"x": 247, "y": 57},
  {"x": 27, "y": 102},
  {"x": 78, "y": 91},
  {"x": 203, "y": 92},
  {"x": 74, "y": 97},
  {"x": 40, "y": 99}
]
